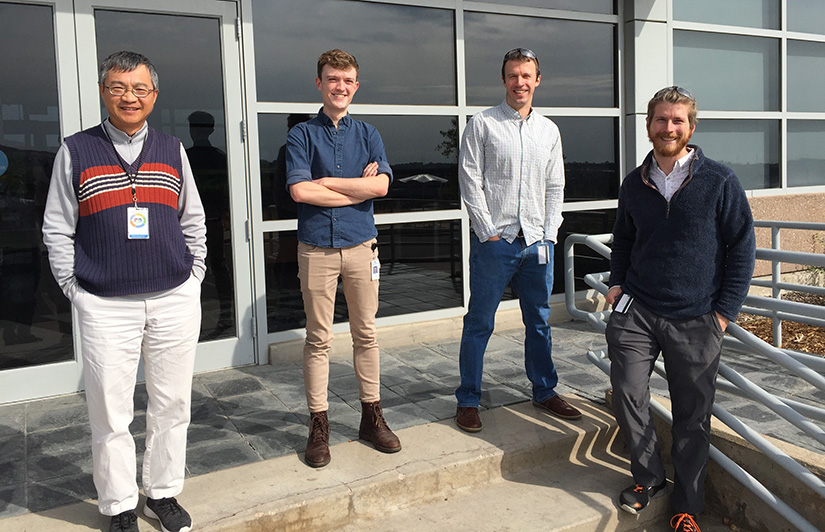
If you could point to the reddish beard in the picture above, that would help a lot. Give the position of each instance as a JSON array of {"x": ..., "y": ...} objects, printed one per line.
[{"x": 669, "y": 149}]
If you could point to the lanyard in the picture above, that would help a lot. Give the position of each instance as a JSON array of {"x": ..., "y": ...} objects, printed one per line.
[{"x": 125, "y": 166}]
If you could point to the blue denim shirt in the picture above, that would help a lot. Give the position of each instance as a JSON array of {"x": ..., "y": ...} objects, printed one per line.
[{"x": 315, "y": 149}]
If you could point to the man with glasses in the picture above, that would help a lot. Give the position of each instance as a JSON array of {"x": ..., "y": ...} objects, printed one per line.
[
  {"x": 681, "y": 263},
  {"x": 511, "y": 175},
  {"x": 335, "y": 167},
  {"x": 126, "y": 235}
]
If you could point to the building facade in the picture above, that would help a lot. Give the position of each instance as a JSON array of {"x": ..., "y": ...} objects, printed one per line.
[{"x": 236, "y": 74}]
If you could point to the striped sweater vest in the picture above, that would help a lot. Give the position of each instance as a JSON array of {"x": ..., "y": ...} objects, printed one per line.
[{"x": 107, "y": 262}]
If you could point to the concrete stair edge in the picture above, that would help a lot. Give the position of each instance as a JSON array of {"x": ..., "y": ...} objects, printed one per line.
[{"x": 438, "y": 460}]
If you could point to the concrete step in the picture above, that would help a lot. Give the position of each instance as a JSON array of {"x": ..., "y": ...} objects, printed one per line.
[{"x": 526, "y": 470}]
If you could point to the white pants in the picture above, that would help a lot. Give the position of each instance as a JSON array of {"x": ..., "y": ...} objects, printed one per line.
[{"x": 115, "y": 332}]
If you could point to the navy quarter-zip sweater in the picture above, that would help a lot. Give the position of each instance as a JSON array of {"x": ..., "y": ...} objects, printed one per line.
[{"x": 689, "y": 256}]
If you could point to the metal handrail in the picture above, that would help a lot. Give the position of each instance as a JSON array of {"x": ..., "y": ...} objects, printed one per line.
[{"x": 800, "y": 364}]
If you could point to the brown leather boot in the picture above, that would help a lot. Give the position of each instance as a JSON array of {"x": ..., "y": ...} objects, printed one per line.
[
  {"x": 375, "y": 430},
  {"x": 317, "y": 453}
]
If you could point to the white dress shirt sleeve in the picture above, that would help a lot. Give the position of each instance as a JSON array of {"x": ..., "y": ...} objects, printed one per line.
[
  {"x": 192, "y": 217},
  {"x": 471, "y": 180},
  {"x": 554, "y": 192},
  {"x": 60, "y": 221}
]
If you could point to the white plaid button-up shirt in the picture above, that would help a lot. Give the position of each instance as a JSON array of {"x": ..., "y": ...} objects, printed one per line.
[{"x": 511, "y": 175}]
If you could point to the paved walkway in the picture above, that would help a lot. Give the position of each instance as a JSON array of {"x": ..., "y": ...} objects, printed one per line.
[{"x": 248, "y": 415}]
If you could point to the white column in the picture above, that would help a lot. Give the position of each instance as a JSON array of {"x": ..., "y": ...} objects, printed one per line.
[{"x": 648, "y": 68}]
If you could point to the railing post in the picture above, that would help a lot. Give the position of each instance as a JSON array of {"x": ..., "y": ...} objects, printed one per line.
[{"x": 776, "y": 278}]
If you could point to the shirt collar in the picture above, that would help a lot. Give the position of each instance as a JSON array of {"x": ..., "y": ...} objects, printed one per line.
[
  {"x": 511, "y": 113},
  {"x": 119, "y": 137},
  {"x": 678, "y": 165},
  {"x": 346, "y": 120}
]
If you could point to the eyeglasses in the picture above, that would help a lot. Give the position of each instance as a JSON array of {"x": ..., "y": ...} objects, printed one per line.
[
  {"x": 524, "y": 52},
  {"x": 684, "y": 92},
  {"x": 140, "y": 92}
]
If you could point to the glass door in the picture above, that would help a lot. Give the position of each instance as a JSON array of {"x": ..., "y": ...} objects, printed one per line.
[
  {"x": 38, "y": 107},
  {"x": 51, "y": 51},
  {"x": 197, "y": 56}
]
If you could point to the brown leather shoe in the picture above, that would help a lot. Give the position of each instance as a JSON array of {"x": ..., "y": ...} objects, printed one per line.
[
  {"x": 559, "y": 408},
  {"x": 466, "y": 417},
  {"x": 317, "y": 453},
  {"x": 375, "y": 430}
]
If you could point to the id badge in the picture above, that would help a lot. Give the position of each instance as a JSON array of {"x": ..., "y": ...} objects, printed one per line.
[
  {"x": 137, "y": 223},
  {"x": 622, "y": 304},
  {"x": 543, "y": 250},
  {"x": 375, "y": 269}
]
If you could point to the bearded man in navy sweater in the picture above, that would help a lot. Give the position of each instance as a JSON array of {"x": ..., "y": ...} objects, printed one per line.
[
  {"x": 681, "y": 263},
  {"x": 126, "y": 234}
]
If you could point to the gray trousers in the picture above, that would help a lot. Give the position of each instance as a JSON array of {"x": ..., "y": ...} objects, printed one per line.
[{"x": 691, "y": 350}]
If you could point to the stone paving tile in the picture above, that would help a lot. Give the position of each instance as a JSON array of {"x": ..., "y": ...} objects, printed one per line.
[
  {"x": 12, "y": 419},
  {"x": 407, "y": 414},
  {"x": 44, "y": 419},
  {"x": 441, "y": 407},
  {"x": 214, "y": 456},
  {"x": 238, "y": 405},
  {"x": 273, "y": 433},
  {"x": 13, "y": 500},
  {"x": 229, "y": 387},
  {"x": 58, "y": 453},
  {"x": 59, "y": 491},
  {"x": 12, "y": 460},
  {"x": 217, "y": 428},
  {"x": 499, "y": 394}
]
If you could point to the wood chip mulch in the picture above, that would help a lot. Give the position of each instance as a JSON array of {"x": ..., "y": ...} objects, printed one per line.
[{"x": 796, "y": 336}]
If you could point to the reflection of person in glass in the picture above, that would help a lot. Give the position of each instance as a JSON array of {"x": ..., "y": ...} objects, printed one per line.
[
  {"x": 211, "y": 174},
  {"x": 681, "y": 263},
  {"x": 285, "y": 205},
  {"x": 126, "y": 236},
  {"x": 335, "y": 167},
  {"x": 19, "y": 260},
  {"x": 511, "y": 175}
]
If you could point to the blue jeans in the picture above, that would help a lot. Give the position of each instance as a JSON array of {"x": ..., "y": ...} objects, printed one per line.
[{"x": 493, "y": 264}]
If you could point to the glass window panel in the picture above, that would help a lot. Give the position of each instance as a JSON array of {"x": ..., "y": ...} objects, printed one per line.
[
  {"x": 588, "y": 6},
  {"x": 422, "y": 150},
  {"x": 806, "y": 160},
  {"x": 750, "y": 13},
  {"x": 750, "y": 147},
  {"x": 420, "y": 271},
  {"x": 806, "y": 15},
  {"x": 35, "y": 316},
  {"x": 583, "y": 76},
  {"x": 423, "y": 153},
  {"x": 728, "y": 72},
  {"x": 590, "y": 157},
  {"x": 406, "y": 54},
  {"x": 194, "y": 113},
  {"x": 806, "y": 70}
]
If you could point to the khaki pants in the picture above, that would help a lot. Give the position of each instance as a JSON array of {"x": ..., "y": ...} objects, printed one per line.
[{"x": 318, "y": 270}]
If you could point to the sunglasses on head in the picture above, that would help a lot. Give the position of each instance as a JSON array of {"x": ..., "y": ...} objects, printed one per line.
[
  {"x": 524, "y": 52},
  {"x": 684, "y": 92}
]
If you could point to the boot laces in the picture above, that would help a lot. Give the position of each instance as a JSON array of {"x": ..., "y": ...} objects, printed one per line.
[
  {"x": 378, "y": 416},
  {"x": 318, "y": 430},
  {"x": 638, "y": 488},
  {"x": 686, "y": 521}
]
